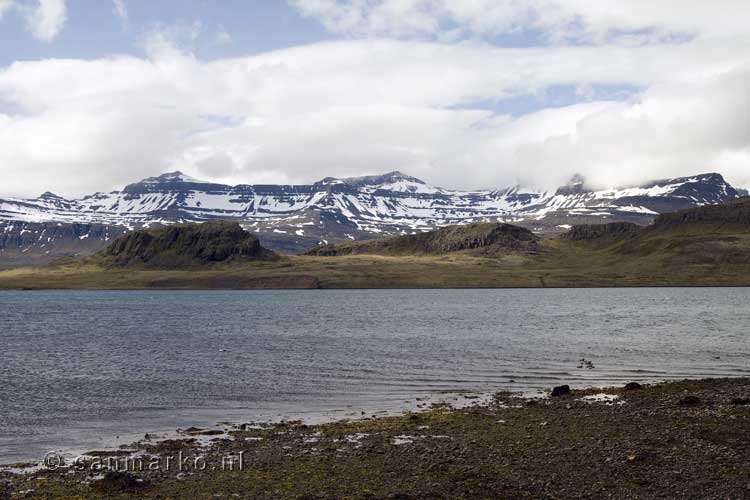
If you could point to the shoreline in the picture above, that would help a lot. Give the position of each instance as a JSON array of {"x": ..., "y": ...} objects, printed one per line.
[
  {"x": 624, "y": 286},
  {"x": 325, "y": 412},
  {"x": 227, "y": 419},
  {"x": 681, "y": 439}
]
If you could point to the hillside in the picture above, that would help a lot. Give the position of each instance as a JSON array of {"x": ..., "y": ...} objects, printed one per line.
[
  {"x": 710, "y": 236},
  {"x": 703, "y": 240},
  {"x": 610, "y": 232},
  {"x": 734, "y": 212},
  {"x": 184, "y": 245},
  {"x": 705, "y": 246},
  {"x": 294, "y": 218},
  {"x": 484, "y": 237},
  {"x": 37, "y": 243}
]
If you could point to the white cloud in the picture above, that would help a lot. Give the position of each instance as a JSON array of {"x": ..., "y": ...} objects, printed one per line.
[
  {"x": 121, "y": 11},
  {"x": 168, "y": 39},
  {"x": 44, "y": 18},
  {"x": 222, "y": 36},
  {"x": 372, "y": 105},
  {"x": 672, "y": 129},
  {"x": 5, "y": 5},
  {"x": 589, "y": 20},
  {"x": 355, "y": 107}
]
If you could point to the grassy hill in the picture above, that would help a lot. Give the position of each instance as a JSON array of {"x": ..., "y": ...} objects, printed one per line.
[
  {"x": 707, "y": 246},
  {"x": 486, "y": 238},
  {"x": 710, "y": 237}
]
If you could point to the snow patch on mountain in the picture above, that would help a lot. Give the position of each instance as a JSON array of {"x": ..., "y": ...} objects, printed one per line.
[{"x": 362, "y": 207}]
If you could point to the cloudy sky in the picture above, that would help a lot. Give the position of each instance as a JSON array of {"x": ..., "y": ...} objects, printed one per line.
[{"x": 95, "y": 94}]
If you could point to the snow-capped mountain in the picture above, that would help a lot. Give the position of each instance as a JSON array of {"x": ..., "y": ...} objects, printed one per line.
[{"x": 296, "y": 217}]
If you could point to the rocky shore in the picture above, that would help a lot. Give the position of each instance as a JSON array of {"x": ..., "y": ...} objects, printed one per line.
[{"x": 688, "y": 439}]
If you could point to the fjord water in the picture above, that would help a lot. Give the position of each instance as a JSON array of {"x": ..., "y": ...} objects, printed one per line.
[{"x": 81, "y": 367}]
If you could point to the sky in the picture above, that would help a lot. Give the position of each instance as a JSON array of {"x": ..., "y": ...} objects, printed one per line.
[{"x": 477, "y": 94}]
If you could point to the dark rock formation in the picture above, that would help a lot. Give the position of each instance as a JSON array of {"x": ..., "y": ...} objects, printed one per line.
[
  {"x": 562, "y": 390},
  {"x": 590, "y": 232},
  {"x": 117, "y": 482},
  {"x": 478, "y": 236},
  {"x": 184, "y": 245},
  {"x": 575, "y": 186}
]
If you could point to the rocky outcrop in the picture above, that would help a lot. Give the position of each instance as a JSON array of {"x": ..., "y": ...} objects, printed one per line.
[
  {"x": 185, "y": 245},
  {"x": 479, "y": 236},
  {"x": 589, "y": 232}
]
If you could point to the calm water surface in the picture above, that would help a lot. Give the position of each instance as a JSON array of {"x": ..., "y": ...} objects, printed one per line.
[{"x": 78, "y": 368}]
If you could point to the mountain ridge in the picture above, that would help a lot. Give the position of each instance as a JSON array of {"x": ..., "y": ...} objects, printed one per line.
[
  {"x": 703, "y": 246},
  {"x": 295, "y": 218}
]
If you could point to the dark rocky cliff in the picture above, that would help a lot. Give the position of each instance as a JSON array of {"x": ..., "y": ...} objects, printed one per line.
[
  {"x": 486, "y": 236},
  {"x": 590, "y": 232},
  {"x": 185, "y": 245}
]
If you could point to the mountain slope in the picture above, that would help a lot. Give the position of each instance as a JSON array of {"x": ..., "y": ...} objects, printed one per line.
[
  {"x": 295, "y": 218},
  {"x": 706, "y": 238},
  {"x": 705, "y": 246},
  {"x": 736, "y": 212},
  {"x": 32, "y": 243},
  {"x": 485, "y": 237}
]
